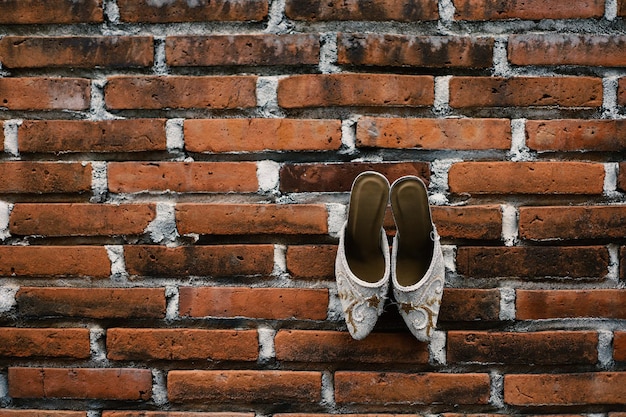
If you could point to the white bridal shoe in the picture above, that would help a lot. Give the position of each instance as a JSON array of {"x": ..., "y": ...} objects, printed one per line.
[
  {"x": 417, "y": 266},
  {"x": 362, "y": 266}
]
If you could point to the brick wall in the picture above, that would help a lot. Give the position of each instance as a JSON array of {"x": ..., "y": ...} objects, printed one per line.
[{"x": 173, "y": 176}]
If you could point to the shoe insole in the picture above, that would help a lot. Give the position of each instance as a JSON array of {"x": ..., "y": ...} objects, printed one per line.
[
  {"x": 409, "y": 202},
  {"x": 368, "y": 202}
]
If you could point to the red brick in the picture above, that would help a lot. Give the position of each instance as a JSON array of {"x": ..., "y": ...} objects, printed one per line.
[
  {"x": 81, "y": 383},
  {"x": 534, "y": 348},
  {"x": 567, "y": 49},
  {"x": 468, "y": 222},
  {"x": 621, "y": 92},
  {"x": 66, "y": 136},
  {"x": 180, "y": 92},
  {"x": 323, "y": 90},
  {"x": 172, "y": 414},
  {"x": 252, "y": 135},
  {"x": 338, "y": 177},
  {"x": 182, "y": 344},
  {"x": 526, "y": 178},
  {"x": 619, "y": 346},
  {"x": 198, "y": 11},
  {"x": 311, "y": 261},
  {"x": 250, "y": 219},
  {"x": 572, "y": 222},
  {"x": 244, "y": 386},
  {"x": 56, "y": 261},
  {"x": 525, "y": 92},
  {"x": 52, "y": 11},
  {"x": 331, "y": 346},
  {"x": 264, "y": 49},
  {"x": 459, "y": 134},
  {"x": 38, "y": 93},
  {"x": 44, "y": 177},
  {"x": 76, "y": 51},
  {"x": 533, "y": 261},
  {"x": 549, "y": 304},
  {"x": 591, "y": 388},
  {"x": 41, "y": 413},
  {"x": 576, "y": 135},
  {"x": 183, "y": 177},
  {"x": 266, "y": 303},
  {"x": 407, "y": 388},
  {"x": 376, "y": 10},
  {"x": 80, "y": 219},
  {"x": 96, "y": 303},
  {"x": 527, "y": 9},
  {"x": 470, "y": 305},
  {"x": 214, "y": 260},
  {"x": 414, "y": 51},
  {"x": 49, "y": 343}
]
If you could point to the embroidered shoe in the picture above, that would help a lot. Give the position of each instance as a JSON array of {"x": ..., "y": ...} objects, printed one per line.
[
  {"x": 417, "y": 267},
  {"x": 362, "y": 265}
]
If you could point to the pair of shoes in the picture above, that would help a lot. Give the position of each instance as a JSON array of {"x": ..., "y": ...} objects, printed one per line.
[{"x": 364, "y": 267}]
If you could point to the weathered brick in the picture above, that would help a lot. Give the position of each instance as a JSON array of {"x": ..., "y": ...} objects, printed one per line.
[
  {"x": 38, "y": 93},
  {"x": 619, "y": 346},
  {"x": 67, "y": 136},
  {"x": 470, "y": 305},
  {"x": 41, "y": 413},
  {"x": 48, "y": 343},
  {"x": 534, "y": 348},
  {"x": 526, "y": 178},
  {"x": 247, "y": 219},
  {"x": 527, "y": 9},
  {"x": 264, "y": 49},
  {"x": 386, "y": 90},
  {"x": 460, "y": 134},
  {"x": 375, "y": 49},
  {"x": 311, "y": 261},
  {"x": 468, "y": 222},
  {"x": 591, "y": 388},
  {"x": 266, "y": 303},
  {"x": 26, "y": 177},
  {"x": 567, "y": 49},
  {"x": 183, "y": 177},
  {"x": 180, "y": 92},
  {"x": 172, "y": 414},
  {"x": 572, "y": 222},
  {"x": 80, "y": 383},
  {"x": 96, "y": 303},
  {"x": 548, "y": 304},
  {"x": 331, "y": 346},
  {"x": 184, "y": 261},
  {"x": 331, "y": 177},
  {"x": 55, "y": 261},
  {"x": 182, "y": 344},
  {"x": 407, "y": 388},
  {"x": 576, "y": 135},
  {"x": 253, "y": 135},
  {"x": 377, "y": 10},
  {"x": 533, "y": 261},
  {"x": 197, "y": 11},
  {"x": 76, "y": 51},
  {"x": 80, "y": 219},
  {"x": 244, "y": 386},
  {"x": 525, "y": 92},
  {"x": 52, "y": 11}
]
